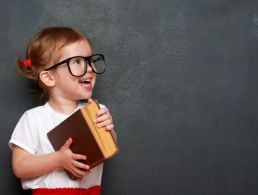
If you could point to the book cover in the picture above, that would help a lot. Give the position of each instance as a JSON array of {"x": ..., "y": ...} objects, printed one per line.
[{"x": 97, "y": 144}]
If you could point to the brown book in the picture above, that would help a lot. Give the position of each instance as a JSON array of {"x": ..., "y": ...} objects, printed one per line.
[{"x": 97, "y": 144}]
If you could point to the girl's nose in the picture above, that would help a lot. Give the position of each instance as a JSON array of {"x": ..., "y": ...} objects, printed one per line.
[{"x": 89, "y": 68}]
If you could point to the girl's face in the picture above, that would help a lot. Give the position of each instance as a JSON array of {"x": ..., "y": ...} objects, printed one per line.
[{"x": 69, "y": 87}]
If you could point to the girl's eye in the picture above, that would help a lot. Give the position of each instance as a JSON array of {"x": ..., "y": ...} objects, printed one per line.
[{"x": 76, "y": 61}]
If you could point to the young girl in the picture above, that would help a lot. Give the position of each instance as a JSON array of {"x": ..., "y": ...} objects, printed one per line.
[{"x": 61, "y": 61}]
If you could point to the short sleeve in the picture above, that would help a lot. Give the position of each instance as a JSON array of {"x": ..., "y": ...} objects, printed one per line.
[{"x": 25, "y": 134}]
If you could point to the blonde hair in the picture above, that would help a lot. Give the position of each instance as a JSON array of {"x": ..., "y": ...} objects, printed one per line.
[{"x": 44, "y": 48}]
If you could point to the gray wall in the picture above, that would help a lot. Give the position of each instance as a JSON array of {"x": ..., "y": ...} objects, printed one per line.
[{"x": 181, "y": 84}]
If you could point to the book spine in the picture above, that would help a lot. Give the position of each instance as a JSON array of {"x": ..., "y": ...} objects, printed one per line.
[
  {"x": 92, "y": 127},
  {"x": 108, "y": 142}
]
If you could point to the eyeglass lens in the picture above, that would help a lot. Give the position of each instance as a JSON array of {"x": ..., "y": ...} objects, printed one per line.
[{"x": 78, "y": 65}]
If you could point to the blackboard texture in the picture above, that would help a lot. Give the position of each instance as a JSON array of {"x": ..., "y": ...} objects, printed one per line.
[{"x": 181, "y": 83}]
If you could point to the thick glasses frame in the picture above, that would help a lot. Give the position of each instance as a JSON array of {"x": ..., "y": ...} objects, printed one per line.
[{"x": 87, "y": 60}]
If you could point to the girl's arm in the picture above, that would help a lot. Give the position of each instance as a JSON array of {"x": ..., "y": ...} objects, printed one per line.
[{"x": 26, "y": 165}]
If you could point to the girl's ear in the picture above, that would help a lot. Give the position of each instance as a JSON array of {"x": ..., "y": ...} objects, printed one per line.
[{"x": 47, "y": 78}]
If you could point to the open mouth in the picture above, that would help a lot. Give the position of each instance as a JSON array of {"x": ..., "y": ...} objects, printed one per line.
[{"x": 85, "y": 81}]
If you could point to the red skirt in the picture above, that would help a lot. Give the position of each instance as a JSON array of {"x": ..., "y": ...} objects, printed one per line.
[{"x": 95, "y": 190}]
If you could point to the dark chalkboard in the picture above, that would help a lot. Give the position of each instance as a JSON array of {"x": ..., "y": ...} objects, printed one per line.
[{"x": 181, "y": 83}]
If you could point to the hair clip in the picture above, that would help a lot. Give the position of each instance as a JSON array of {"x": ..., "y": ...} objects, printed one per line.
[{"x": 27, "y": 63}]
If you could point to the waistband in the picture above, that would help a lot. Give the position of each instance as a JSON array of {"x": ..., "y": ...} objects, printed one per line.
[{"x": 94, "y": 190}]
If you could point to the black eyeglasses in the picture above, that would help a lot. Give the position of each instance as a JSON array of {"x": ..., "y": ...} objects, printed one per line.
[{"x": 77, "y": 65}]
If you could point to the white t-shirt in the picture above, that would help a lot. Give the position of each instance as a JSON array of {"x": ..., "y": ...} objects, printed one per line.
[{"x": 30, "y": 134}]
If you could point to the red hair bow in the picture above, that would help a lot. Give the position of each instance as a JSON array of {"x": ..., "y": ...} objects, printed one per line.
[{"x": 27, "y": 63}]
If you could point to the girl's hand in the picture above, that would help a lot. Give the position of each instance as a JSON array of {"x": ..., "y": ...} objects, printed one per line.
[
  {"x": 71, "y": 161},
  {"x": 104, "y": 118}
]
